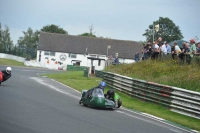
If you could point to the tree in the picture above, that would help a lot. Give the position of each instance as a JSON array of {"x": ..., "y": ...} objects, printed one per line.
[
  {"x": 53, "y": 29},
  {"x": 91, "y": 34},
  {"x": 6, "y": 44},
  {"x": 87, "y": 34},
  {"x": 167, "y": 30},
  {"x": 28, "y": 43}
]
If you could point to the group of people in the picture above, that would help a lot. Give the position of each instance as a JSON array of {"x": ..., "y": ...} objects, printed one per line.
[
  {"x": 162, "y": 48},
  {"x": 152, "y": 50}
]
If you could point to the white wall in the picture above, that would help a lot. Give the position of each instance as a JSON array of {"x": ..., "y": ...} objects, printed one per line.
[
  {"x": 12, "y": 57},
  {"x": 68, "y": 61}
]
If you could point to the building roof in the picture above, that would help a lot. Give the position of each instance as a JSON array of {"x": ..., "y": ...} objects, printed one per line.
[{"x": 78, "y": 45}]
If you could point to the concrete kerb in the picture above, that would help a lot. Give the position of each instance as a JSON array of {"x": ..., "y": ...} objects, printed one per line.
[{"x": 141, "y": 113}]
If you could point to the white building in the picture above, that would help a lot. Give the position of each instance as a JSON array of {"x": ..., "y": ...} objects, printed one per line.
[{"x": 83, "y": 51}]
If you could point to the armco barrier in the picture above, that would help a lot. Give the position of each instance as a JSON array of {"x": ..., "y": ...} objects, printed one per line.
[
  {"x": 176, "y": 99},
  {"x": 75, "y": 68},
  {"x": 99, "y": 73}
]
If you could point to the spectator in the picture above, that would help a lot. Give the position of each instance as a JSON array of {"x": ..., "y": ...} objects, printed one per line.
[
  {"x": 145, "y": 52},
  {"x": 187, "y": 53},
  {"x": 198, "y": 47},
  {"x": 163, "y": 50},
  {"x": 156, "y": 51},
  {"x": 183, "y": 51},
  {"x": 137, "y": 57},
  {"x": 168, "y": 47},
  {"x": 116, "y": 60},
  {"x": 160, "y": 41},
  {"x": 149, "y": 51},
  {"x": 193, "y": 48},
  {"x": 176, "y": 50}
]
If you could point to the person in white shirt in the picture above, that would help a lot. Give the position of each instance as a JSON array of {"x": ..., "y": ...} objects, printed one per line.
[
  {"x": 176, "y": 48},
  {"x": 164, "y": 49},
  {"x": 156, "y": 51}
]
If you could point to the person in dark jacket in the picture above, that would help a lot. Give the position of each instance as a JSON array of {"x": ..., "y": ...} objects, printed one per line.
[
  {"x": 6, "y": 74},
  {"x": 137, "y": 57}
]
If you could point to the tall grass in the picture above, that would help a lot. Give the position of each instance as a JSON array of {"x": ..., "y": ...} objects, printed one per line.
[{"x": 167, "y": 72}]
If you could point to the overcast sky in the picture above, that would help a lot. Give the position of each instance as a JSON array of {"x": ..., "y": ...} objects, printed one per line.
[{"x": 117, "y": 19}]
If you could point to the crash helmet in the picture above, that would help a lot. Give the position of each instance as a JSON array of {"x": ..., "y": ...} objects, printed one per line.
[
  {"x": 111, "y": 93},
  {"x": 102, "y": 85},
  {"x": 8, "y": 70}
]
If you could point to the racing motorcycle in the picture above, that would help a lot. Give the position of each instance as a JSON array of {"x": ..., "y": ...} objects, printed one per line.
[{"x": 5, "y": 74}]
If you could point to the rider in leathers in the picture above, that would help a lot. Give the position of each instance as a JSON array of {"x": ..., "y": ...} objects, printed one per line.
[{"x": 6, "y": 74}]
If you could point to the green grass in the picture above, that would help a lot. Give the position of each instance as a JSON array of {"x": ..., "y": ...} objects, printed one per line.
[
  {"x": 10, "y": 62},
  {"x": 167, "y": 72},
  {"x": 76, "y": 80}
]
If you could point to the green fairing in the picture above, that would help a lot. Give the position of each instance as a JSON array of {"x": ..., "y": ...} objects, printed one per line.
[
  {"x": 96, "y": 100},
  {"x": 116, "y": 97}
]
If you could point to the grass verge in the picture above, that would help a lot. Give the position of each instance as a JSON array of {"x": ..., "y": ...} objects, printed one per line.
[
  {"x": 76, "y": 80},
  {"x": 10, "y": 62},
  {"x": 164, "y": 72}
]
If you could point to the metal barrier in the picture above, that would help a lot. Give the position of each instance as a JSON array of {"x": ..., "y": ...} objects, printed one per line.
[
  {"x": 99, "y": 73},
  {"x": 176, "y": 99},
  {"x": 75, "y": 68}
]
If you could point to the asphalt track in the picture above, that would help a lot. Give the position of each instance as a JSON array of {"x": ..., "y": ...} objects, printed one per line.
[{"x": 33, "y": 104}]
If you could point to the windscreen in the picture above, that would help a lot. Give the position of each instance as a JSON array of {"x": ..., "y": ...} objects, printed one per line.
[{"x": 98, "y": 93}]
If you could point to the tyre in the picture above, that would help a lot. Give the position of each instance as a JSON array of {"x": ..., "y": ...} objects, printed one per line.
[
  {"x": 84, "y": 104},
  {"x": 119, "y": 103}
]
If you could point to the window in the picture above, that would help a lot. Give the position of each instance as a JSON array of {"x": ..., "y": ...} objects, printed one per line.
[
  {"x": 46, "y": 53},
  {"x": 52, "y": 53},
  {"x": 93, "y": 55},
  {"x": 49, "y": 53},
  {"x": 72, "y": 55}
]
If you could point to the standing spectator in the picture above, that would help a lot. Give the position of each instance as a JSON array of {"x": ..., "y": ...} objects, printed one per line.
[
  {"x": 163, "y": 50},
  {"x": 176, "y": 50},
  {"x": 187, "y": 53},
  {"x": 156, "y": 51},
  {"x": 198, "y": 47},
  {"x": 145, "y": 52},
  {"x": 149, "y": 51},
  {"x": 137, "y": 57},
  {"x": 193, "y": 48},
  {"x": 185, "y": 49},
  {"x": 168, "y": 47},
  {"x": 159, "y": 41}
]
